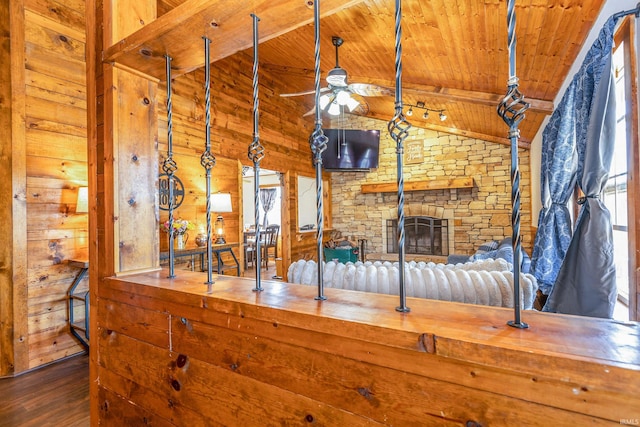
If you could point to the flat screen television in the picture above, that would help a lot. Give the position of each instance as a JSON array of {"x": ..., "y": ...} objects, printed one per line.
[{"x": 351, "y": 149}]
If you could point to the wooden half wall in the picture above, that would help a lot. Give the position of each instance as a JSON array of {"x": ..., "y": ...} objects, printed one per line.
[{"x": 171, "y": 354}]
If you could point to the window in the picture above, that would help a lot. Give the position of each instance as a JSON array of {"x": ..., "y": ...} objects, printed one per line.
[{"x": 615, "y": 192}]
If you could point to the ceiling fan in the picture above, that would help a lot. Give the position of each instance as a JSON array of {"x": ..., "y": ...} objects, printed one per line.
[{"x": 340, "y": 94}]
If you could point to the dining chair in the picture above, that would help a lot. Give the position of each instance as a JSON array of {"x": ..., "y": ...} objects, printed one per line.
[
  {"x": 269, "y": 240},
  {"x": 249, "y": 244}
]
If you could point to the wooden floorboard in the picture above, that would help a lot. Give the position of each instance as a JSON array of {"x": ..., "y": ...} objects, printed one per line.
[{"x": 55, "y": 395}]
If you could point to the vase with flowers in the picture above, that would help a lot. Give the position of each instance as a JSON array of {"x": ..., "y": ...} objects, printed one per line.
[{"x": 180, "y": 231}]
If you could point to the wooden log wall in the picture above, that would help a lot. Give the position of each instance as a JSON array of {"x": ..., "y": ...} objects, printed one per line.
[
  {"x": 49, "y": 140},
  {"x": 170, "y": 354}
]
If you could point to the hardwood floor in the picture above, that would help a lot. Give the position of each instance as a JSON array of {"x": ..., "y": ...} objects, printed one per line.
[
  {"x": 56, "y": 395},
  {"x": 265, "y": 274}
]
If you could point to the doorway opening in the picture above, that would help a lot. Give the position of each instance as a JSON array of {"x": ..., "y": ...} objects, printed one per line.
[{"x": 270, "y": 218}]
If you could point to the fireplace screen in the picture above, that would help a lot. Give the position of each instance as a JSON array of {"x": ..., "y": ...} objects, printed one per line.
[{"x": 422, "y": 235}]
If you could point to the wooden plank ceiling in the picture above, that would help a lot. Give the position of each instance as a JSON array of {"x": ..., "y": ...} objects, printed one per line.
[{"x": 455, "y": 57}]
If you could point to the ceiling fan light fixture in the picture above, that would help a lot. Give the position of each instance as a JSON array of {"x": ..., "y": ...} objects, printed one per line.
[
  {"x": 343, "y": 97},
  {"x": 352, "y": 104},
  {"x": 324, "y": 101},
  {"x": 334, "y": 109}
]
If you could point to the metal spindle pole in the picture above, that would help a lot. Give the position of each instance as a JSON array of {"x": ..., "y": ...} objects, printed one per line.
[
  {"x": 207, "y": 159},
  {"x": 512, "y": 109},
  {"x": 399, "y": 127},
  {"x": 169, "y": 165},
  {"x": 256, "y": 153},
  {"x": 318, "y": 142}
]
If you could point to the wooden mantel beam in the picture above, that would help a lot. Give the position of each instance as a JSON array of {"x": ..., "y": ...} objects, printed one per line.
[{"x": 179, "y": 32}]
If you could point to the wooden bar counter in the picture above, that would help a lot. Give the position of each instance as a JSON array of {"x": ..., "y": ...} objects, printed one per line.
[{"x": 171, "y": 354}]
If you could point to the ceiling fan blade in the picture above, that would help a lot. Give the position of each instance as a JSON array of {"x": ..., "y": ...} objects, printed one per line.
[
  {"x": 310, "y": 112},
  {"x": 308, "y": 92},
  {"x": 365, "y": 89}
]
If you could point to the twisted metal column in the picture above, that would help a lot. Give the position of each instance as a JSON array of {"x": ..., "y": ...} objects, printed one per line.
[
  {"x": 399, "y": 127},
  {"x": 207, "y": 159},
  {"x": 256, "y": 153},
  {"x": 169, "y": 165},
  {"x": 318, "y": 142},
  {"x": 512, "y": 109}
]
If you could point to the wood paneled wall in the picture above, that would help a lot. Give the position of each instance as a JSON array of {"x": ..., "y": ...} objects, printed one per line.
[
  {"x": 48, "y": 148},
  {"x": 56, "y": 153}
]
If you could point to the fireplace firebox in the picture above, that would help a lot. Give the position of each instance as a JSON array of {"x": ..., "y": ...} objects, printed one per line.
[{"x": 423, "y": 235}]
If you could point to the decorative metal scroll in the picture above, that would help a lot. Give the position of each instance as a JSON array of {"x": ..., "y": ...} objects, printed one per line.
[
  {"x": 512, "y": 109},
  {"x": 256, "y": 153},
  {"x": 163, "y": 192},
  {"x": 169, "y": 166},
  {"x": 399, "y": 127},
  {"x": 207, "y": 159},
  {"x": 318, "y": 142}
]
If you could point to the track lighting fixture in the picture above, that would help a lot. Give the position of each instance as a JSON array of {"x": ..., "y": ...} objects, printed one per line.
[{"x": 421, "y": 105}]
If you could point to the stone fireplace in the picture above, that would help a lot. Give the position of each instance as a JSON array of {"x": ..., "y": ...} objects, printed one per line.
[{"x": 474, "y": 215}]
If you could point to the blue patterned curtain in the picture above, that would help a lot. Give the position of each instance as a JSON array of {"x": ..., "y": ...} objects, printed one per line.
[
  {"x": 585, "y": 284},
  {"x": 558, "y": 178}
]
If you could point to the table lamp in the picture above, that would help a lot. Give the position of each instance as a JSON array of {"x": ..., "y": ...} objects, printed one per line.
[{"x": 220, "y": 203}]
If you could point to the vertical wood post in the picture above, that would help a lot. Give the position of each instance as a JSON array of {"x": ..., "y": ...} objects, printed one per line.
[
  {"x": 14, "y": 344},
  {"x": 122, "y": 155}
]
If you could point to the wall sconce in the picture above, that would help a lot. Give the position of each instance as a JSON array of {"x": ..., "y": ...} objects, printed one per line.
[
  {"x": 82, "y": 202},
  {"x": 220, "y": 203},
  {"x": 421, "y": 105}
]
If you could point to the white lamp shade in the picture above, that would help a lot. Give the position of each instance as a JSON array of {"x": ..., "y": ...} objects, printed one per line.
[
  {"x": 352, "y": 103},
  {"x": 343, "y": 97},
  {"x": 334, "y": 109},
  {"x": 324, "y": 100},
  {"x": 221, "y": 202},
  {"x": 82, "y": 204}
]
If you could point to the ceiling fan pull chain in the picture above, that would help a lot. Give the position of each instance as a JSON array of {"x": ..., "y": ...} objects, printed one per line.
[
  {"x": 207, "y": 159},
  {"x": 256, "y": 153},
  {"x": 318, "y": 142},
  {"x": 512, "y": 109},
  {"x": 399, "y": 127}
]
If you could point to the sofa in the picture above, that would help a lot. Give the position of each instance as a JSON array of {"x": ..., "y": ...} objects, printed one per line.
[{"x": 482, "y": 281}]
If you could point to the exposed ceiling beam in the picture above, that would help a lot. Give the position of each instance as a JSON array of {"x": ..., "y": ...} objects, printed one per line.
[
  {"x": 459, "y": 95},
  {"x": 179, "y": 32},
  {"x": 523, "y": 143}
]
